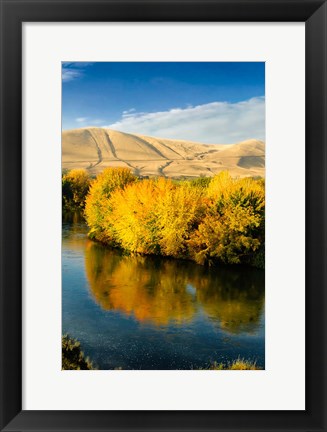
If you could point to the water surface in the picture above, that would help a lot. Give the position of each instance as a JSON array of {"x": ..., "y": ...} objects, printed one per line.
[{"x": 135, "y": 312}]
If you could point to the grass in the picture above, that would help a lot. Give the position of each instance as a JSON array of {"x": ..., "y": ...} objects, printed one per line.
[{"x": 238, "y": 364}]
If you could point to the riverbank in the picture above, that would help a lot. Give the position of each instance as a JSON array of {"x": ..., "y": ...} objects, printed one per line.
[{"x": 73, "y": 358}]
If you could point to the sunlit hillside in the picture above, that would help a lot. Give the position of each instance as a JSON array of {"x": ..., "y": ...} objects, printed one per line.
[{"x": 98, "y": 148}]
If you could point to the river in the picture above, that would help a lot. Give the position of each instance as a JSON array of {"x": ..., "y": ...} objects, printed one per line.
[{"x": 136, "y": 312}]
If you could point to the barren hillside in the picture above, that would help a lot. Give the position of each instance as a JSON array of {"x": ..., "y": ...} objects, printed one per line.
[{"x": 98, "y": 148}]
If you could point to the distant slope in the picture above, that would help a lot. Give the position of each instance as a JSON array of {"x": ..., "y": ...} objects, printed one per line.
[{"x": 98, "y": 148}]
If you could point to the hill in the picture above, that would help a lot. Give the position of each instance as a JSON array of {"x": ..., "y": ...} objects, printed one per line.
[{"x": 98, "y": 148}]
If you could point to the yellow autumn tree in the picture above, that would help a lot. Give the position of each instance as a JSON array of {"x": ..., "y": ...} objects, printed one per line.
[
  {"x": 97, "y": 207},
  {"x": 133, "y": 217},
  {"x": 232, "y": 230},
  {"x": 179, "y": 211},
  {"x": 221, "y": 219},
  {"x": 155, "y": 216}
]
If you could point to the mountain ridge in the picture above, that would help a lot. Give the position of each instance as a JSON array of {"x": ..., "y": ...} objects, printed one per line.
[{"x": 96, "y": 148}]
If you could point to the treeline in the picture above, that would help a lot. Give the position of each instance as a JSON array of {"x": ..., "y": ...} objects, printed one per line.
[
  {"x": 208, "y": 220},
  {"x": 221, "y": 219}
]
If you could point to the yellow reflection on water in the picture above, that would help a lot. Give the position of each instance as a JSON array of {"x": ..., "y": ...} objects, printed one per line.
[
  {"x": 162, "y": 291},
  {"x": 235, "y": 302}
]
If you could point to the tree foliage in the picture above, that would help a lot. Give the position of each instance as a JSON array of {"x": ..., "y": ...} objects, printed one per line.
[
  {"x": 75, "y": 186},
  {"x": 207, "y": 221},
  {"x": 232, "y": 229},
  {"x": 98, "y": 207}
]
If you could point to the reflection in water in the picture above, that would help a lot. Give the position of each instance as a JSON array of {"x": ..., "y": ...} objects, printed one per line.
[
  {"x": 151, "y": 291},
  {"x": 74, "y": 231},
  {"x": 73, "y": 219},
  {"x": 235, "y": 300},
  {"x": 139, "y": 312},
  {"x": 163, "y": 291}
]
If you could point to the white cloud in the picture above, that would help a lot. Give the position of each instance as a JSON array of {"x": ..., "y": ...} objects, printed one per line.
[
  {"x": 70, "y": 74},
  {"x": 128, "y": 112},
  {"x": 73, "y": 70},
  {"x": 89, "y": 121},
  {"x": 216, "y": 122}
]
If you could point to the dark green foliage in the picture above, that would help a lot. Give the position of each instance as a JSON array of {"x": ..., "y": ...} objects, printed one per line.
[
  {"x": 72, "y": 356},
  {"x": 258, "y": 259},
  {"x": 202, "y": 182},
  {"x": 75, "y": 186}
]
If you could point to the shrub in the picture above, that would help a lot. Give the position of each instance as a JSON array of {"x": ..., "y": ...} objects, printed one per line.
[
  {"x": 72, "y": 356},
  {"x": 155, "y": 217},
  {"x": 232, "y": 229},
  {"x": 97, "y": 208},
  {"x": 202, "y": 182},
  {"x": 133, "y": 217},
  {"x": 75, "y": 186},
  {"x": 179, "y": 211},
  {"x": 207, "y": 221}
]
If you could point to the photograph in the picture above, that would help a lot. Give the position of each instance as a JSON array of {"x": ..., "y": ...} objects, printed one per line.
[{"x": 163, "y": 215}]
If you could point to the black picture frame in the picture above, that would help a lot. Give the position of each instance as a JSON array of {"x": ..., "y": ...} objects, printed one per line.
[{"x": 13, "y": 14}]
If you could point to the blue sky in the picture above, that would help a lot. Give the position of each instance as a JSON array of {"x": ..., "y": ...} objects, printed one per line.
[{"x": 209, "y": 102}]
